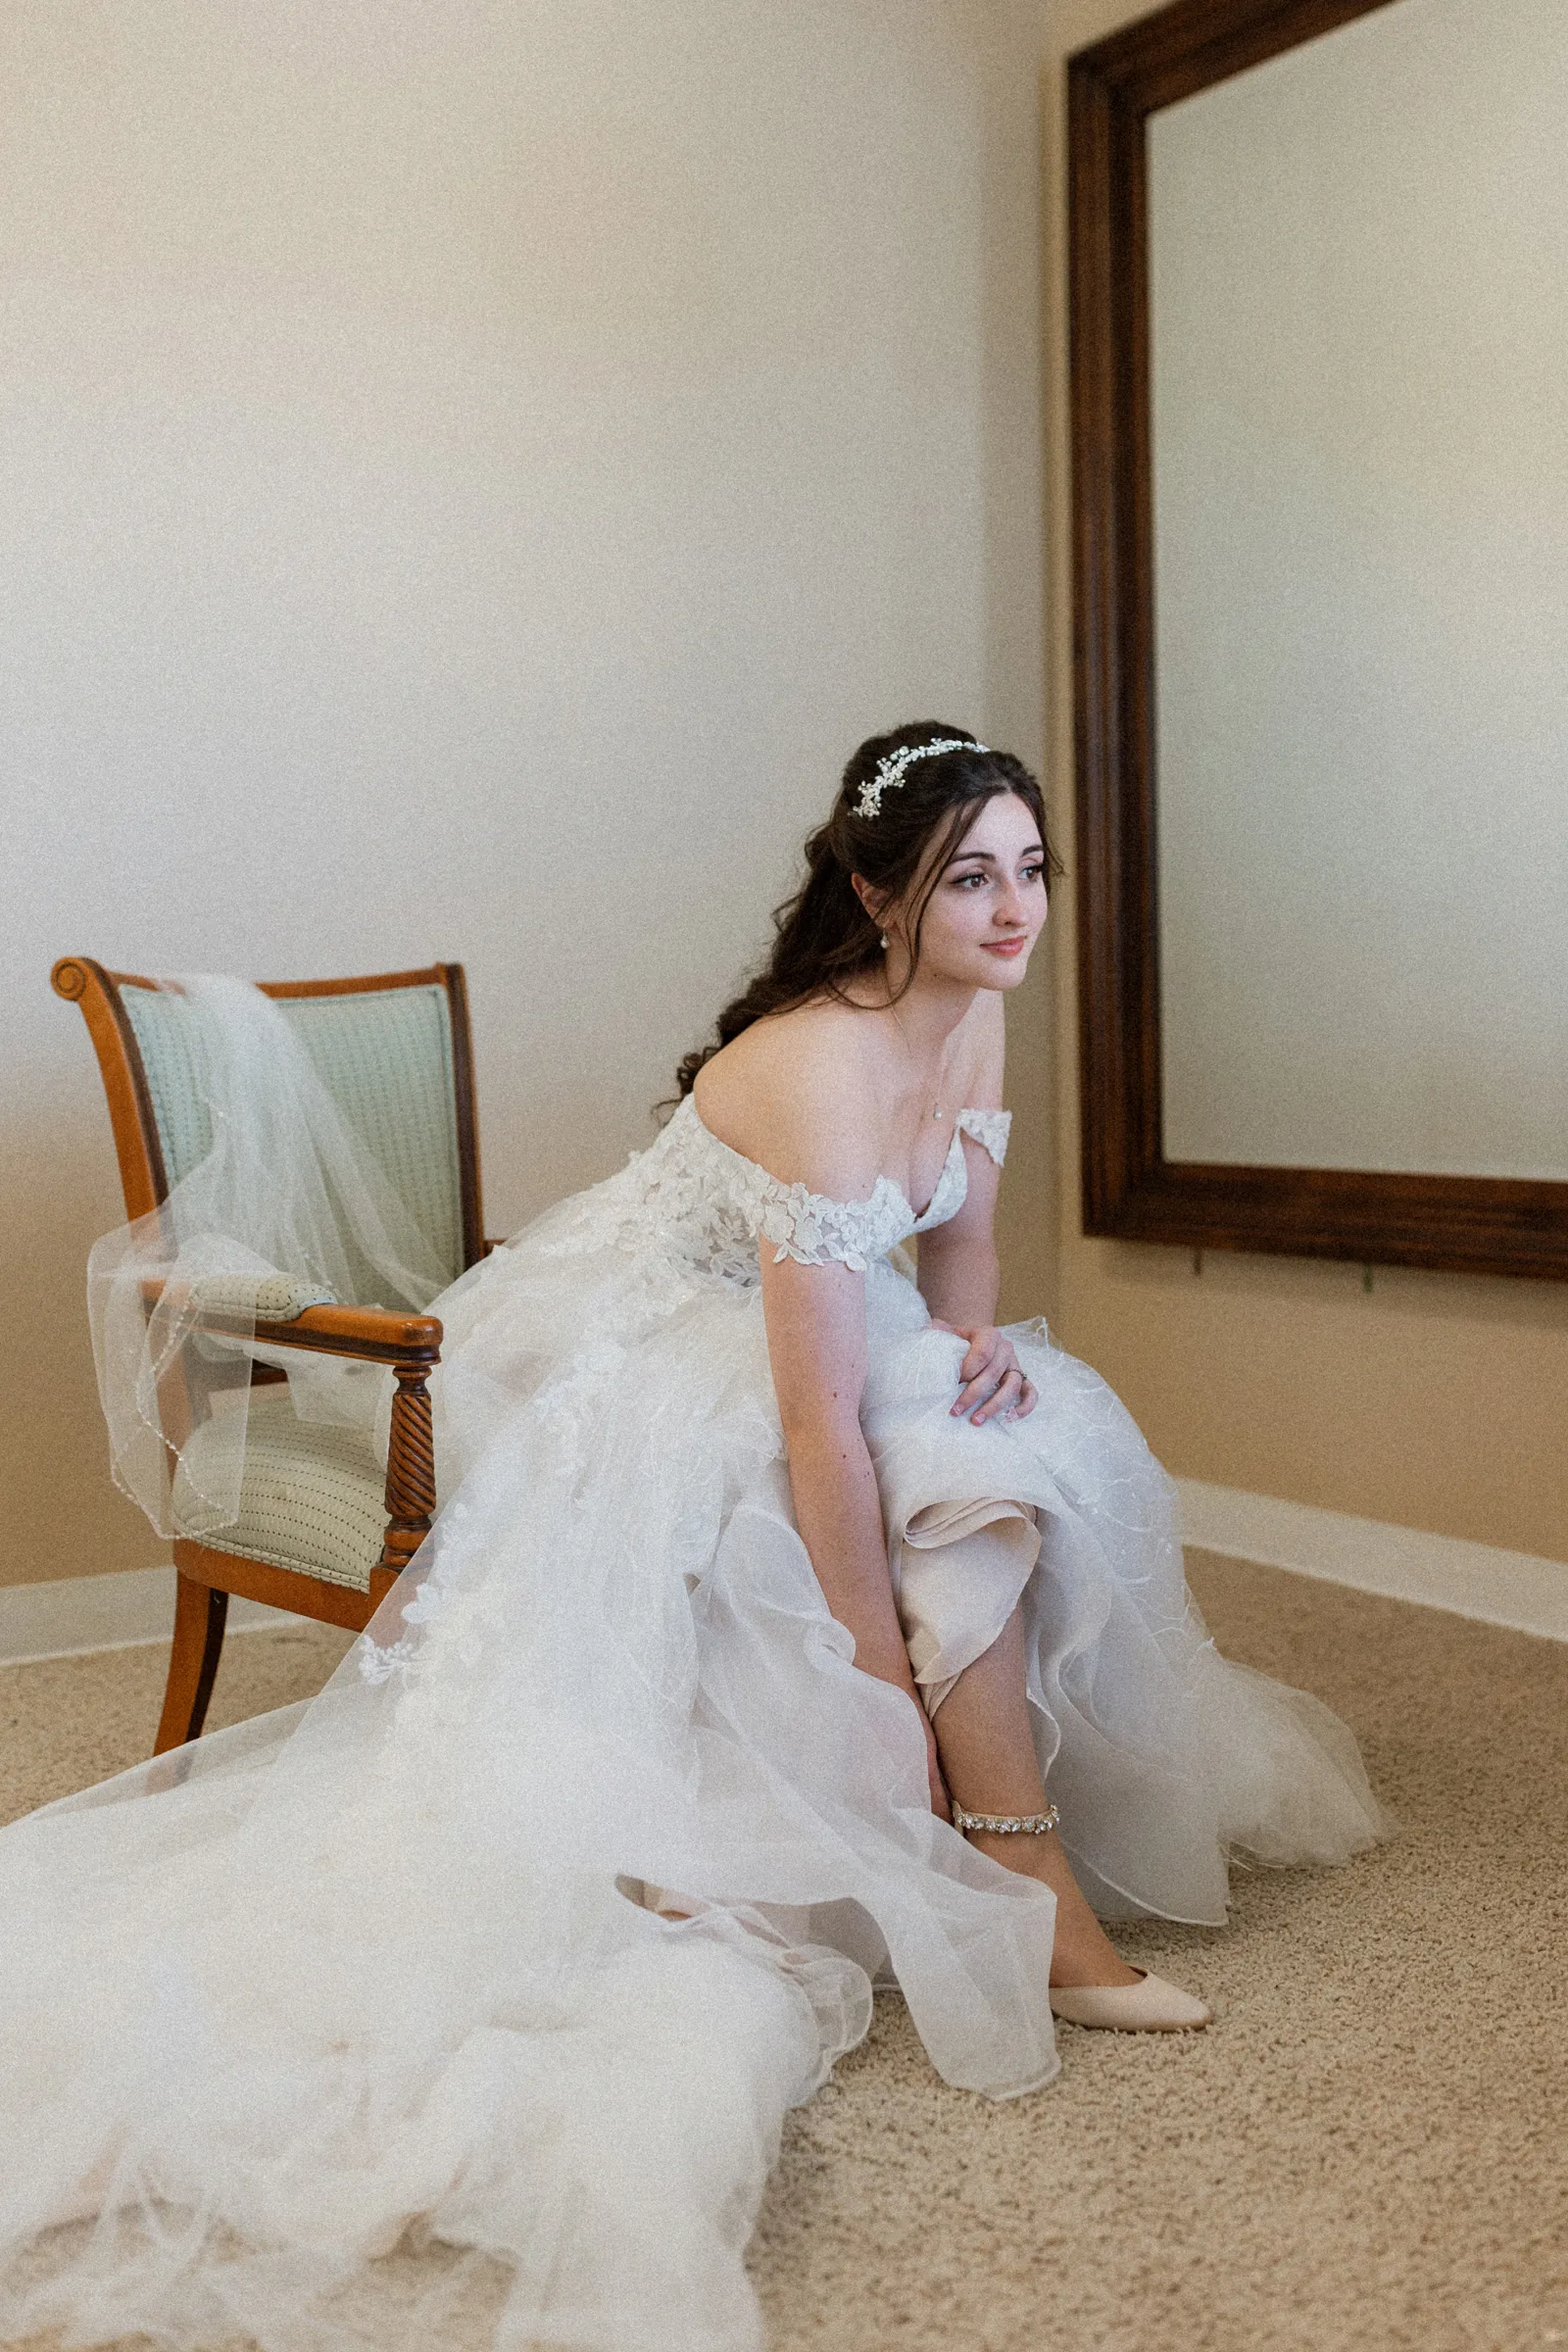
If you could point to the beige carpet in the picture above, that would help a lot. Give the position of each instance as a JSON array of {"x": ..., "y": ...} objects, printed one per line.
[{"x": 1368, "y": 2150}]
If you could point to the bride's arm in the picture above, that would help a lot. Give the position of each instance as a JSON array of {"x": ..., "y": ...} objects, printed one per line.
[
  {"x": 959, "y": 1272},
  {"x": 815, "y": 1317},
  {"x": 800, "y": 1101},
  {"x": 960, "y": 1275}
]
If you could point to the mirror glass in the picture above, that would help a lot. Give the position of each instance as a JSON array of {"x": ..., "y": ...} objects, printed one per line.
[{"x": 1359, "y": 326}]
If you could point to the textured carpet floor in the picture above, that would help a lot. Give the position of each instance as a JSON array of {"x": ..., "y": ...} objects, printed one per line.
[{"x": 1367, "y": 2153}]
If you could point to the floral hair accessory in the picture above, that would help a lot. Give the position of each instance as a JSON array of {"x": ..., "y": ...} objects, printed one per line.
[{"x": 890, "y": 771}]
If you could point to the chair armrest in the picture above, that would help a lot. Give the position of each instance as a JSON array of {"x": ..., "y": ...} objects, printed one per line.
[{"x": 377, "y": 1335}]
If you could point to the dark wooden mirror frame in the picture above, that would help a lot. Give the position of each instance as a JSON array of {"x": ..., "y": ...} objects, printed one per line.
[{"x": 1488, "y": 1225}]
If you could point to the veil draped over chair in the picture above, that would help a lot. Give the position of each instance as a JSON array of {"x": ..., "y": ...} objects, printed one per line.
[{"x": 287, "y": 1210}]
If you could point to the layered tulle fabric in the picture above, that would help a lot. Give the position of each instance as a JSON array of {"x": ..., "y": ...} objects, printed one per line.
[{"x": 380, "y": 1970}]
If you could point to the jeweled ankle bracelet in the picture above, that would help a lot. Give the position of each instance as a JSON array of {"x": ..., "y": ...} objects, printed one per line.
[{"x": 1007, "y": 1825}]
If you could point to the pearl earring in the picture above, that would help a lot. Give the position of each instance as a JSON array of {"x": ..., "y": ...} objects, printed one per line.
[{"x": 884, "y": 939}]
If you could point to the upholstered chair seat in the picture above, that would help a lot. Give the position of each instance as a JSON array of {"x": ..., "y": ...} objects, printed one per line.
[{"x": 311, "y": 1496}]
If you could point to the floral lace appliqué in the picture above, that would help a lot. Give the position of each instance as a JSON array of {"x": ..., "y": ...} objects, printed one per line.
[
  {"x": 692, "y": 1209},
  {"x": 816, "y": 1231},
  {"x": 378, "y": 1665},
  {"x": 990, "y": 1129}
]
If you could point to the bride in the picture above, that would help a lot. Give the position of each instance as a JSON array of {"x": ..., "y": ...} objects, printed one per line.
[{"x": 787, "y": 1627}]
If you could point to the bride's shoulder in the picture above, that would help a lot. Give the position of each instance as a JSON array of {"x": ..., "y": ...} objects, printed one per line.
[{"x": 803, "y": 1094}]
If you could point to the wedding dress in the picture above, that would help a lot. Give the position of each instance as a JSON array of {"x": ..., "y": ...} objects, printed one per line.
[{"x": 385, "y": 1962}]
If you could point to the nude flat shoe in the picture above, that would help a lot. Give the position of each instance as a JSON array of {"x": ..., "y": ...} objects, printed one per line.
[{"x": 1151, "y": 2006}]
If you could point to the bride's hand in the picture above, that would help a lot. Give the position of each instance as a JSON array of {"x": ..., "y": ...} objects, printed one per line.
[{"x": 992, "y": 1380}]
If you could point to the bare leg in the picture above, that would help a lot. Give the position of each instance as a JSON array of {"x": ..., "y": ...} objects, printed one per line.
[{"x": 989, "y": 1762}]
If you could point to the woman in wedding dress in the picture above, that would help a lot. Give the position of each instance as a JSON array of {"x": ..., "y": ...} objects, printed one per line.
[{"x": 786, "y": 1628}]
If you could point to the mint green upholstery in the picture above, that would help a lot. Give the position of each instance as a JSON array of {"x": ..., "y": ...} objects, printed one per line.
[
  {"x": 269, "y": 1297},
  {"x": 385, "y": 1058},
  {"x": 310, "y": 1498}
]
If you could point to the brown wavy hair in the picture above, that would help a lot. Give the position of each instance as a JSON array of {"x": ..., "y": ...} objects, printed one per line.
[{"x": 823, "y": 935}]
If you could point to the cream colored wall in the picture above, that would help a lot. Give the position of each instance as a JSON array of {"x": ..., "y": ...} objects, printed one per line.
[
  {"x": 471, "y": 477},
  {"x": 1437, "y": 1401}
]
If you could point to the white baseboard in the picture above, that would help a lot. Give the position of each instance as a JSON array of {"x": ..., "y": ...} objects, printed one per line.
[
  {"x": 77, "y": 1613},
  {"x": 1515, "y": 1588}
]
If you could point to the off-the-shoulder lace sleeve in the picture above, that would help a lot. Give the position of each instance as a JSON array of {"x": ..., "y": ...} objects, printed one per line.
[
  {"x": 816, "y": 1231},
  {"x": 989, "y": 1129},
  {"x": 691, "y": 1201}
]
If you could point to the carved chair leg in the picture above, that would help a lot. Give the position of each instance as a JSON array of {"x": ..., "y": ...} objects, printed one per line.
[
  {"x": 200, "y": 1615},
  {"x": 411, "y": 1497}
]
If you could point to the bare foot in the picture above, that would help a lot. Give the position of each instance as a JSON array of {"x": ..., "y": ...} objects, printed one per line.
[{"x": 1082, "y": 1953}]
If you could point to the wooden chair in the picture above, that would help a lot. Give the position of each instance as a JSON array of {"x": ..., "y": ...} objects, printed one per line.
[{"x": 320, "y": 1531}]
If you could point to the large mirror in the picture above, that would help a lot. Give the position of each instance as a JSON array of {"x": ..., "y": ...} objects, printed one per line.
[{"x": 1320, "y": 384}]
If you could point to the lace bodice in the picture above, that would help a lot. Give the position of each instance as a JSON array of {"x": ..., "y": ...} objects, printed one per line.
[{"x": 693, "y": 1198}]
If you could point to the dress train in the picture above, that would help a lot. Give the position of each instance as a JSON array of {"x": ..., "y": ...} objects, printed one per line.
[{"x": 376, "y": 1968}]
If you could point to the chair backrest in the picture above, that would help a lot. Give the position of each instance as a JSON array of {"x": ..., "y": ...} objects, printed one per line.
[{"x": 392, "y": 1050}]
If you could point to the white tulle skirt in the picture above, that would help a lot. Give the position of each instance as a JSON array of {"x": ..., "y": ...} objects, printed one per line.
[{"x": 378, "y": 1965}]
